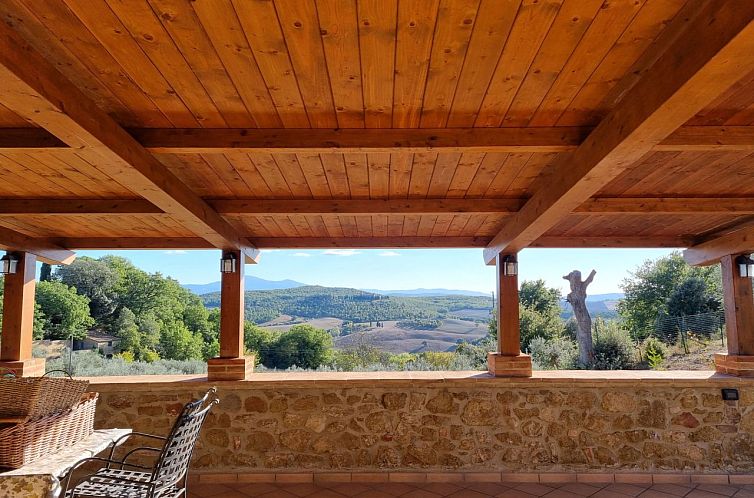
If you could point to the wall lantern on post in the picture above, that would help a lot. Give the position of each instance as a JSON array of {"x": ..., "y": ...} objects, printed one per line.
[
  {"x": 228, "y": 263},
  {"x": 9, "y": 264},
  {"x": 745, "y": 266},
  {"x": 510, "y": 266}
]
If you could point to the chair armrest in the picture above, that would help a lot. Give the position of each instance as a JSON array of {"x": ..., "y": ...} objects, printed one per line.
[
  {"x": 124, "y": 437},
  {"x": 135, "y": 450}
]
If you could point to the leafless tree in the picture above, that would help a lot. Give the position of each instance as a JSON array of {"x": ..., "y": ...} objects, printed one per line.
[{"x": 577, "y": 298}]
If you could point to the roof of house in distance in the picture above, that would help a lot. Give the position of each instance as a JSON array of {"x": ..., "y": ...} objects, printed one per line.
[{"x": 294, "y": 124}]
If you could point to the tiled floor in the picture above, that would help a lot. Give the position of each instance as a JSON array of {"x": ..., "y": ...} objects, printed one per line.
[{"x": 470, "y": 490}]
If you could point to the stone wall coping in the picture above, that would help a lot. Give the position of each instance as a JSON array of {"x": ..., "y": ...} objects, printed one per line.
[{"x": 549, "y": 378}]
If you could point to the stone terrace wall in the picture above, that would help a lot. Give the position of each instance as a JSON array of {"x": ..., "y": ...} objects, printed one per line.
[{"x": 456, "y": 424}]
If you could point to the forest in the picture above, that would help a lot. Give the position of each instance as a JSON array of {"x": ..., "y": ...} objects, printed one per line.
[{"x": 349, "y": 305}]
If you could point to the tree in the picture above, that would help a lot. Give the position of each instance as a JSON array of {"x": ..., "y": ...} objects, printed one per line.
[
  {"x": 535, "y": 295},
  {"x": 45, "y": 273},
  {"x": 65, "y": 312},
  {"x": 95, "y": 280},
  {"x": 178, "y": 343},
  {"x": 303, "y": 346},
  {"x": 258, "y": 341},
  {"x": 648, "y": 290},
  {"x": 577, "y": 298},
  {"x": 533, "y": 323},
  {"x": 692, "y": 297}
]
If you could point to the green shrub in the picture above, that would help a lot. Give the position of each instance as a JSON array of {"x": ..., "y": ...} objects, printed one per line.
[
  {"x": 559, "y": 353},
  {"x": 613, "y": 348},
  {"x": 92, "y": 364},
  {"x": 654, "y": 352}
]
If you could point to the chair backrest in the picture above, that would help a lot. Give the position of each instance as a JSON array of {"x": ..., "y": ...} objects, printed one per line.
[{"x": 174, "y": 460}]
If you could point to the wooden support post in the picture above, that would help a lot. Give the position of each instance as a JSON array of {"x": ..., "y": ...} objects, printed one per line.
[
  {"x": 18, "y": 319},
  {"x": 231, "y": 364},
  {"x": 508, "y": 361},
  {"x": 739, "y": 321}
]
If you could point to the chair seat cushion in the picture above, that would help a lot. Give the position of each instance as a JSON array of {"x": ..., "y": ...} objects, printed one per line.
[{"x": 114, "y": 483}]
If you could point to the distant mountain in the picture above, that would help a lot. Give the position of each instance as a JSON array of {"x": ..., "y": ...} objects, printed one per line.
[
  {"x": 428, "y": 292},
  {"x": 613, "y": 296},
  {"x": 250, "y": 283}
]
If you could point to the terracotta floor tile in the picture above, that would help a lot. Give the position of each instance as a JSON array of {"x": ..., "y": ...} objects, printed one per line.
[
  {"x": 696, "y": 493},
  {"x": 302, "y": 489},
  {"x": 349, "y": 489},
  {"x": 673, "y": 489},
  {"x": 488, "y": 488},
  {"x": 443, "y": 488},
  {"x": 420, "y": 493},
  {"x": 394, "y": 488},
  {"x": 468, "y": 493},
  {"x": 208, "y": 490},
  {"x": 626, "y": 489},
  {"x": 721, "y": 489},
  {"x": 257, "y": 488},
  {"x": 515, "y": 493},
  {"x": 744, "y": 493},
  {"x": 559, "y": 493},
  {"x": 327, "y": 493},
  {"x": 278, "y": 493},
  {"x": 604, "y": 493},
  {"x": 373, "y": 493},
  {"x": 535, "y": 489},
  {"x": 653, "y": 493},
  {"x": 581, "y": 489}
]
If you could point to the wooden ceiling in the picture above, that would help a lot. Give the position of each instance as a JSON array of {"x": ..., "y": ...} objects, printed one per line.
[{"x": 499, "y": 124}]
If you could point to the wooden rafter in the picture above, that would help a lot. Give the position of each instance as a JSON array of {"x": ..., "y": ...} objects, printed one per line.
[
  {"x": 538, "y": 140},
  {"x": 45, "y": 250},
  {"x": 33, "y": 88},
  {"x": 685, "y": 78},
  {"x": 601, "y": 205}
]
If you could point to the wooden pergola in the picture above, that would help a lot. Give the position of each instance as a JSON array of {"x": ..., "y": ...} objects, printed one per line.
[{"x": 499, "y": 124}]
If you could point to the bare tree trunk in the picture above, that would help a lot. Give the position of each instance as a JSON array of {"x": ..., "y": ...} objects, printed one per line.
[{"x": 577, "y": 298}]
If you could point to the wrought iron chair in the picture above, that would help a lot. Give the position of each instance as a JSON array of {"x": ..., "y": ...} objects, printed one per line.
[{"x": 165, "y": 479}]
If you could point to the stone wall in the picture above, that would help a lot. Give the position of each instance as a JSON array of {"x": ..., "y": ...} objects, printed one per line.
[{"x": 471, "y": 423}]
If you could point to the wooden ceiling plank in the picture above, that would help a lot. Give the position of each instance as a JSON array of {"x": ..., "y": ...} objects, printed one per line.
[
  {"x": 35, "y": 89},
  {"x": 627, "y": 242},
  {"x": 455, "y": 24},
  {"x": 683, "y": 80},
  {"x": 416, "y": 25},
  {"x": 338, "y": 23},
  {"x": 377, "y": 38}
]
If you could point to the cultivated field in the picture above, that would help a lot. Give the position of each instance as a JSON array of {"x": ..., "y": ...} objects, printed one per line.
[{"x": 398, "y": 340}]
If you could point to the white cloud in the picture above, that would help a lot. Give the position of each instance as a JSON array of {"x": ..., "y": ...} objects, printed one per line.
[
  {"x": 301, "y": 254},
  {"x": 341, "y": 252},
  {"x": 176, "y": 251},
  {"x": 388, "y": 254}
]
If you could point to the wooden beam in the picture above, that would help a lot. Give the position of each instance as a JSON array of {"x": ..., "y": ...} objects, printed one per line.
[
  {"x": 508, "y": 330},
  {"x": 616, "y": 242},
  {"x": 45, "y": 250},
  {"x": 146, "y": 243},
  {"x": 76, "y": 207},
  {"x": 687, "y": 77},
  {"x": 601, "y": 205},
  {"x": 368, "y": 242},
  {"x": 710, "y": 252},
  {"x": 33, "y": 88},
  {"x": 544, "y": 139},
  {"x": 18, "y": 310},
  {"x": 370, "y": 206}
]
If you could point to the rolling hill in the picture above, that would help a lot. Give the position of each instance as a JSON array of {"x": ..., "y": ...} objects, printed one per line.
[{"x": 250, "y": 283}]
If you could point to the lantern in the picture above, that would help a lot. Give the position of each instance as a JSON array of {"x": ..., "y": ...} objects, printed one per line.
[
  {"x": 745, "y": 266},
  {"x": 228, "y": 263},
  {"x": 9, "y": 264}
]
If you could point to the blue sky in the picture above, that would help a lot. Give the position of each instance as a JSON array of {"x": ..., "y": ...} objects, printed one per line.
[{"x": 400, "y": 269}]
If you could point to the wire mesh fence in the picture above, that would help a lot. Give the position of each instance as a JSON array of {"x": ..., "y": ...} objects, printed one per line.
[{"x": 690, "y": 328}]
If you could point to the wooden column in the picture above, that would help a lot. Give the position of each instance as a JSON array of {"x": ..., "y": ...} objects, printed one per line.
[
  {"x": 739, "y": 321},
  {"x": 508, "y": 361},
  {"x": 231, "y": 364},
  {"x": 18, "y": 319}
]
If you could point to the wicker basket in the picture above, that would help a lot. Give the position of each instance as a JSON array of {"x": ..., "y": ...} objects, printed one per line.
[
  {"x": 22, "y": 444},
  {"x": 29, "y": 398}
]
